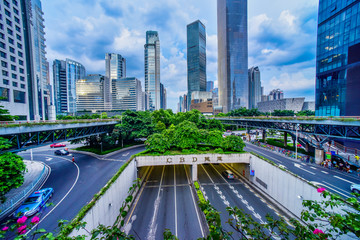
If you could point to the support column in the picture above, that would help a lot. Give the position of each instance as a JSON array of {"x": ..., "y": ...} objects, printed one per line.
[
  {"x": 319, "y": 155},
  {"x": 194, "y": 170},
  {"x": 307, "y": 146},
  {"x": 285, "y": 139},
  {"x": 264, "y": 135}
]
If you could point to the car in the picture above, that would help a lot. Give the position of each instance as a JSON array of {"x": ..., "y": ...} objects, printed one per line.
[
  {"x": 355, "y": 188},
  {"x": 62, "y": 152},
  {"x": 34, "y": 203},
  {"x": 56, "y": 145},
  {"x": 228, "y": 174}
]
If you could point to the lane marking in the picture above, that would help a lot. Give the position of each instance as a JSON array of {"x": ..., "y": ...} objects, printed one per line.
[
  {"x": 299, "y": 166},
  {"x": 324, "y": 172},
  {"x": 313, "y": 168},
  {"x": 332, "y": 188},
  {"x": 344, "y": 180},
  {"x": 176, "y": 229},
  {"x": 195, "y": 206},
  {"x": 68, "y": 192}
]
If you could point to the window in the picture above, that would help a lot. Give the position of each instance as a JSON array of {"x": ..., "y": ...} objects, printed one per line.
[
  {"x": 16, "y": 11},
  {"x": 19, "y": 96},
  {"x": 17, "y": 28},
  {"x": 2, "y": 54},
  {"x": 17, "y": 20},
  {"x": 2, "y": 45},
  {"x": 15, "y": 2},
  {"x": 8, "y": 22},
  {"x": 4, "y": 64},
  {"x": 12, "y": 58},
  {"x": 12, "y": 50},
  {"x": 14, "y": 76},
  {"x": 18, "y": 37},
  {"x": 6, "y": 3},
  {"x": 2, "y": 36},
  {"x": 13, "y": 67},
  {"x": 7, "y": 13},
  {"x": 22, "y": 78},
  {"x": 5, "y": 82},
  {"x": 20, "y": 54},
  {"x": 15, "y": 84},
  {"x": 19, "y": 45},
  {"x": 22, "y": 86},
  {"x": 5, "y": 73},
  {"x": 11, "y": 41},
  {"x": 10, "y": 31},
  {"x": 4, "y": 94},
  {"x": 1, "y": 26},
  {"x": 0, "y": 16},
  {"x": 21, "y": 70},
  {"x": 21, "y": 62}
]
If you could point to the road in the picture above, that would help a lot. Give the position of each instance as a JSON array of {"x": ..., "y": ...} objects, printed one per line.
[
  {"x": 333, "y": 180},
  {"x": 165, "y": 202},
  {"x": 74, "y": 184}
]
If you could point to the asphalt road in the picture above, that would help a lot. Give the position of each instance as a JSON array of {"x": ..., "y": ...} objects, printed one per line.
[
  {"x": 74, "y": 184},
  {"x": 333, "y": 180},
  {"x": 165, "y": 202}
]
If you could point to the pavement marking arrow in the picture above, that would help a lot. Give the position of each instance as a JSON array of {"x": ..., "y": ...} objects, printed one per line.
[
  {"x": 299, "y": 166},
  {"x": 124, "y": 155},
  {"x": 48, "y": 159}
]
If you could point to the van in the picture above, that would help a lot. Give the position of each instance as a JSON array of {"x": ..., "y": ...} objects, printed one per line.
[{"x": 228, "y": 174}]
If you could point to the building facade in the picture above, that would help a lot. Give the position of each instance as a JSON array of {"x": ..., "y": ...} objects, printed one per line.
[
  {"x": 65, "y": 75},
  {"x": 90, "y": 93},
  {"x": 295, "y": 104},
  {"x": 127, "y": 94},
  {"x": 254, "y": 87},
  {"x": 152, "y": 69},
  {"x": 337, "y": 61},
  {"x": 233, "y": 81},
  {"x": 196, "y": 58},
  {"x": 209, "y": 86},
  {"x": 162, "y": 96}
]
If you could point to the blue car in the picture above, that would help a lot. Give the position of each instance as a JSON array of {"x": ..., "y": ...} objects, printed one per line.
[{"x": 34, "y": 202}]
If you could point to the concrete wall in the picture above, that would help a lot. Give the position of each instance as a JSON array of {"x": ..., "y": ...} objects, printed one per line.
[
  {"x": 107, "y": 207},
  {"x": 287, "y": 189}
]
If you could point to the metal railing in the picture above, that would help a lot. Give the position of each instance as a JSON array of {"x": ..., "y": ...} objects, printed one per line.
[
  {"x": 10, "y": 205},
  {"x": 21, "y": 123}
]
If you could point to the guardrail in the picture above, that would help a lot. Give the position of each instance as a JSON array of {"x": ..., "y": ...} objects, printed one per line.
[
  {"x": 50, "y": 122},
  {"x": 12, "y": 204}
]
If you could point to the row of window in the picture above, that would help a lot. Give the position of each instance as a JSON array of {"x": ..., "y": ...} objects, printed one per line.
[
  {"x": 12, "y": 58},
  {"x": 15, "y": 84},
  {"x": 19, "y": 96}
]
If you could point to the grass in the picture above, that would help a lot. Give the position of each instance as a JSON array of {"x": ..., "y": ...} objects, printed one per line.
[
  {"x": 97, "y": 150},
  {"x": 280, "y": 143}
]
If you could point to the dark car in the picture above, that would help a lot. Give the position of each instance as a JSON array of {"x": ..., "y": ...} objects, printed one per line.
[
  {"x": 34, "y": 202},
  {"x": 228, "y": 174},
  {"x": 62, "y": 152}
]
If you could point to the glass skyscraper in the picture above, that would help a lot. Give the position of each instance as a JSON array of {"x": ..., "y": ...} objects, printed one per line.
[
  {"x": 196, "y": 58},
  {"x": 254, "y": 87},
  {"x": 65, "y": 74},
  {"x": 127, "y": 94},
  {"x": 152, "y": 69},
  {"x": 337, "y": 58},
  {"x": 232, "y": 54},
  {"x": 90, "y": 93}
]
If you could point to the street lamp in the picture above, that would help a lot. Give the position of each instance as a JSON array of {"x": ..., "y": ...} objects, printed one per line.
[{"x": 296, "y": 139}]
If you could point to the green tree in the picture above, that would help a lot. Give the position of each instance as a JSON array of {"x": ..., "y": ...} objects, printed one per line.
[
  {"x": 214, "y": 124},
  {"x": 186, "y": 135},
  {"x": 157, "y": 142},
  {"x": 5, "y": 115},
  {"x": 12, "y": 169},
  {"x": 103, "y": 115},
  {"x": 164, "y": 116},
  {"x": 283, "y": 113},
  {"x": 233, "y": 143},
  {"x": 305, "y": 113},
  {"x": 160, "y": 126},
  {"x": 215, "y": 138}
]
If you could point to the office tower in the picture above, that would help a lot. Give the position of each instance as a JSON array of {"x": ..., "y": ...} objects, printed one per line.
[
  {"x": 115, "y": 68},
  {"x": 254, "y": 87},
  {"x": 90, "y": 93},
  {"x": 65, "y": 75},
  {"x": 152, "y": 69},
  {"x": 162, "y": 96},
  {"x": 209, "y": 86},
  {"x": 196, "y": 58},
  {"x": 232, "y": 54},
  {"x": 14, "y": 84},
  {"x": 127, "y": 94},
  {"x": 337, "y": 59}
]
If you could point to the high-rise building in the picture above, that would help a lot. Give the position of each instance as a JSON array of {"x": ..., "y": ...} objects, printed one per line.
[
  {"x": 337, "y": 58},
  {"x": 14, "y": 85},
  {"x": 90, "y": 93},
  {"x": 254, "y": 87},
  {"x": 209, "y": 86},
  {"x": 65, "y": 75},
  {"x": 127, "y": 94},
  {"x": 152, "y": 69},
  {"x": 232, "y": 54},
  {"x": 196, "y": 58},
  {"x": 162, "y": 96},
  {"x": 115, "y": 68}
]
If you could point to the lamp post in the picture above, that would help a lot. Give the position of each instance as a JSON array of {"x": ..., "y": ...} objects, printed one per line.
[{"x": 296, "y": 138}]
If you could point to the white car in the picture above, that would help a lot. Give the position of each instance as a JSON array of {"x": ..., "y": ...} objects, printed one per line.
[{"x": 355, "y": 188}]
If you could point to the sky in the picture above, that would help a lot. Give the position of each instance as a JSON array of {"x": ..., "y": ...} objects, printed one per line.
[{"x": 281, "y": 39}]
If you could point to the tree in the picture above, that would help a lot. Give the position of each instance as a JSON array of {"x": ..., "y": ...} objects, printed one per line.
[
  {"x": 5, "y": 115},
  {"x": 215, "y": 138},
  {"x": 12, "y": 169},
  {"x": 160, "y": 126},
  {"x": 215, "y": 124},
  {"x": 157, "y": 142},
  {"x": 164, "y": 116},
  {"x": 305, "y": 113},
  {"x": 283, "y": 113},
  {"x": 233, "y": 143},
  {"x": 186, "y": 135}
]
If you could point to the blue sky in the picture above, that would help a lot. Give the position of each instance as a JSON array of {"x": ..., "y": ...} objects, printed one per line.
[{"x": 282, "y": 38}]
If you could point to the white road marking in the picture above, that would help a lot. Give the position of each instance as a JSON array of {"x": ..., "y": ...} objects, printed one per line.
[
  {"x": 48, "y": 159},
  {"x": 124, "y": 155},
  {"x": 313, "y": 168},
  {"x": 324, "y": 172},
  {"x": 332, "y": 188},
  {"x": 344, "y": 180},
  {"x": 176, "y": 229},
  {"x": 299, "y": 166}
]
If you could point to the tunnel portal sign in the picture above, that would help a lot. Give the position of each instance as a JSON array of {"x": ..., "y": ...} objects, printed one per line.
[{"x": 193, "y": 160}]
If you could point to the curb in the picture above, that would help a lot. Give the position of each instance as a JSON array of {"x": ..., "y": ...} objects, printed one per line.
[{"x": 106, "y": 155}]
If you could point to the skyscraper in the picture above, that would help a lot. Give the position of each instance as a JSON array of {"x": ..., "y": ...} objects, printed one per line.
[
  {"x": 162, "y": 96},
  {"x": 196, "y": 58},
  {"x": 232, "y": 54},
  {"x": 152, "y": 69},
  {"x": 337, "y": 58},
  {"x": 127, "y": 94},
  {"x": 90, "y": 93},
  {"x": 115, "y": 68},
  {"x": 209, "y": 86},
  {"x": 254, "y": 87},
  {"x": 65, "y": 75}
]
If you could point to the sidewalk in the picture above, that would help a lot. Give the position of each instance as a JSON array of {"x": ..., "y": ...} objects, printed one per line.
[{"x": 36, "y": 175}]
